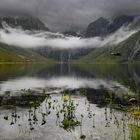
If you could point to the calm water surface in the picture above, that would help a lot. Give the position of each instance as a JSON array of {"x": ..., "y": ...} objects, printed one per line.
[{"x": 87, "y": 85}]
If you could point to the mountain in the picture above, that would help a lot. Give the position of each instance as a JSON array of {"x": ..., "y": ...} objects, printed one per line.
[
  {"x": 72, "y": 33},
  {"x": 62, "y": 55},
  {"x": 126, "y": 51},
  {"x": 103, "y": 27},
  {"x": 97, "y": 28},
  {"x": 17, "y": 54},
  {"x": 25, "y": 22},
  {"x": 9, "y": 53}
]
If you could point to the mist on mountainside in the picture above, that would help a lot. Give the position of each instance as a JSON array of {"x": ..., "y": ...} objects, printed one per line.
[{"x": 36, "y": 39}]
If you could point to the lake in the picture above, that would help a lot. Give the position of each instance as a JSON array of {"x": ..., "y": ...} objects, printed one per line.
[{"x": 65, "y": 101}]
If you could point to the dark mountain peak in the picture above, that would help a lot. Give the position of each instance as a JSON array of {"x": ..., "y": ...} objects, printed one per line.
[
  {"x": 124, "y": 18},
  {"x": 97, "y": 28},
  {"x": 119, "y": 21},
  {"x": 103, "y": 27},
  {"x": 25, "y": 22},
  {"x": 101, "y": 19}
]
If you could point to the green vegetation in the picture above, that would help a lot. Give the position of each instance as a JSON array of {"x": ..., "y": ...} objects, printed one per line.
[
  {"x": 19, "y": 55},
  {"x": 135, "y": 134},
  {"x": 65, "y": 109},
  {"x": 128, "y": 52},
  {"x": 70, "y": 121}
]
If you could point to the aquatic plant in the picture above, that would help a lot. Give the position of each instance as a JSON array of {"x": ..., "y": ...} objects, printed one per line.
[
  {"x": 6, "y": 117},
  {"x": 65, "y": 110},
  {"x": 70, "y": 121},
  {"x": 136, "y": 114},
  {"x": 82, "y": 137},
  {"x": 135, "y": 132},
  {"x": 69, "y": 124}
]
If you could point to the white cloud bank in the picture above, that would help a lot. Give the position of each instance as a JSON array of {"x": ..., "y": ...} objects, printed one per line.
[{"x": 28, "y": 39}]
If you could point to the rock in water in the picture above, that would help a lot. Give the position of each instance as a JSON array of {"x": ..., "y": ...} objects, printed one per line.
[{"x": 133, "y": 100}]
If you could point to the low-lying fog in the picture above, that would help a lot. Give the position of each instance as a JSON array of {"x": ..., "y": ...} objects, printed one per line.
[{"x": 33, "y": 39}]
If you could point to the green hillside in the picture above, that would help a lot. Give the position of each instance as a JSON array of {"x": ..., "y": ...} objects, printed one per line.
[
  {"x": 17, "y": 54},
  {"x": 126, "y": 51}
]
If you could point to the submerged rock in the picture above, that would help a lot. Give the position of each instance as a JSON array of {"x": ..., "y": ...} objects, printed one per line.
[{"x": 133, "y": 100}]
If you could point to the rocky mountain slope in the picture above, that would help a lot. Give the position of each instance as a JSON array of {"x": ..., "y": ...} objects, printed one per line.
[
  {"x": 25, "y": 22},
  {"x": 126, "y": 51},
  {"x": 16, "y": 54},
  {"x": 103, "y": 27},
  {"x": 62, "y": 55},
  {"x": 10, "y": 53}
]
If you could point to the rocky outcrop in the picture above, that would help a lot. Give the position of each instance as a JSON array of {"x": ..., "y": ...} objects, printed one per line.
[
  {"x": 25, "y": 22},
  {"x": 97, "y": 28}
]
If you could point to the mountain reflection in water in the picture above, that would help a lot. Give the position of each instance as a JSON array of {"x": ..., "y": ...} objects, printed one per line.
[{"x": 34, "y": 97}]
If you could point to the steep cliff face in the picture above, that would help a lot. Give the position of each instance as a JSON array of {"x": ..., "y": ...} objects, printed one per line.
[
  {"x": 103, "y": 27},
  {"x": 25, "y": 22}
]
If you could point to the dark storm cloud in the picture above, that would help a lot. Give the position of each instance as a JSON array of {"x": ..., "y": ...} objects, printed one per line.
[{"x": 65, "y": 14}]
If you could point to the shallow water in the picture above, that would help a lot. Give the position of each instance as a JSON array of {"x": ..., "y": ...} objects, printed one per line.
[{"x": 88, "y": 85}]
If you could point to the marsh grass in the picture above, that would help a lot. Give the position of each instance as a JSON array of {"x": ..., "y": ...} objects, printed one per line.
[
  {"x": 135, "y": 132},
  {"x": 66, "y": 109}
]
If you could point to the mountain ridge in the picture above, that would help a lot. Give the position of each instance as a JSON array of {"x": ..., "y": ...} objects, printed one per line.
[
  {"x": 20, "y": 55},
  {"x": 103, "y": 27},
  {"x": 119, "y": 53},
  {"x": 25, "y": 22},
  {"x": 126, "y": 51}
]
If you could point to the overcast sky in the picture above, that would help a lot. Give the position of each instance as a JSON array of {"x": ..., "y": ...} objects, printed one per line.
[{"x": 63, "y": 15}]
